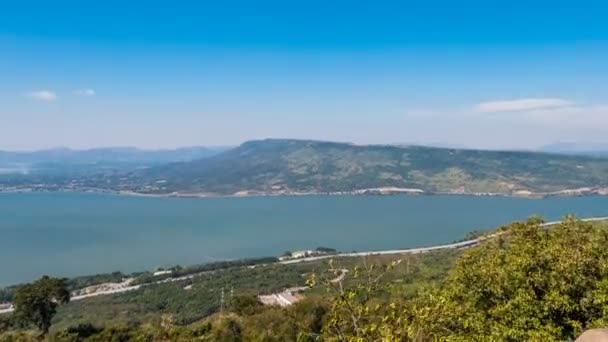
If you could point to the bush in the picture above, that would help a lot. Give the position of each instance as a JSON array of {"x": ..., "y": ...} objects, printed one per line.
[
  {"x": 530, "y": 284},
  {"x": 245, "y": 305}
]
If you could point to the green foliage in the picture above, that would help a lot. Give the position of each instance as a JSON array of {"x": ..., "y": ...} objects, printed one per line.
[
  {"x": 227, "y": 329},
  {"x": 532, "y": 283},
  {"x": 78, "y": 332},
  {"x": 19, "y": 336},
  {"x": 6, "y": 323},
  {"x": 200, "y": 300},
  {"x": 304, "y": 320},
  {"x": 529, "y": 284},
  {"x": 37, "y": 303},
  {"x": 245, "y": 305},
  {"x": 356, "y": 314},
  {"x": 162, "y": 331}
]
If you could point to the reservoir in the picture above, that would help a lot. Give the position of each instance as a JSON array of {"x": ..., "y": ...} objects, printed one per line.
[{"x": 70, "y": 234}]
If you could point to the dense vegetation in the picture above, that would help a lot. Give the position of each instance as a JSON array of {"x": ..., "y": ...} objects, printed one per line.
[
  {"x": 186, "y": 301},
  {"x": 531, "y": 283},
  {"x": 142, "y": 310},
  {"x": 312, "y": 166}
]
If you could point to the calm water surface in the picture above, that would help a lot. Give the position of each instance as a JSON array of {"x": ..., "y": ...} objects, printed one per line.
[{"x": 68, "y": 234}]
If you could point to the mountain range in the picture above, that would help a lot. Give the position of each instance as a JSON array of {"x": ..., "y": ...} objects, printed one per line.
[
  {"x": 288, "y": 167},
  {"x": 283, "y": 166},
  {"x": 111, "y": 155},
  {"x": 590, "y": 149}
]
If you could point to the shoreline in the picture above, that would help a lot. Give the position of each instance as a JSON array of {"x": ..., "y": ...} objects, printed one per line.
[
  {"x": 126, "y": 286},
  {"x": 387, "y": 191}
]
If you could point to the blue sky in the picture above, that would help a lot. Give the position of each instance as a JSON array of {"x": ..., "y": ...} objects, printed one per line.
[{"x": 486, "y": 74}]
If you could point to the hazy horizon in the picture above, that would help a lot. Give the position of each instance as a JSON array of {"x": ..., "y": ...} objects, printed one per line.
[
  {"x": 473, "y": 75},
  {"x": 559, "y": 146}
]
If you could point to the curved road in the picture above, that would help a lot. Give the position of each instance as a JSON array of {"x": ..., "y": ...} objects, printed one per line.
[{"x": 455, "y": 245}]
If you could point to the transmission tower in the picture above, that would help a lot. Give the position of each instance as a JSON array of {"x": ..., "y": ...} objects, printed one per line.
[{"x": 222, "y": 302}]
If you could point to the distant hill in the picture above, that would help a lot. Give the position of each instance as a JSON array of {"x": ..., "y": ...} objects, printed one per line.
[
  {"x": 588, "y": 149},
  {"x": 284, "y": 166},
  {"x": 114, "y": 155}
]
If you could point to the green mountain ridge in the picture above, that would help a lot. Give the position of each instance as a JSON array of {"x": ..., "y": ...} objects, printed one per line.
[{"x": 283, "y": 166}]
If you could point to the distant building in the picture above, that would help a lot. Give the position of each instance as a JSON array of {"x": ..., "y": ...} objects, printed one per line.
[
  {"x": 284, "y": 298},
  {"x": 301, "y": 254},
  {"x": 307, "y": 253}
]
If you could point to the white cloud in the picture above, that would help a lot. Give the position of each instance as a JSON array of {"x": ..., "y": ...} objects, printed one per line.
[
  {"x": 521, "y": 105},
  {"x": 85, "y": 92},
  {"x": 522, "y": 129},
  {"x": 42, "y": 95}
]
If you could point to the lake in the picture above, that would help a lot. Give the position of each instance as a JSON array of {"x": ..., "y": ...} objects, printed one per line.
[{"x": 69, "y": 234}]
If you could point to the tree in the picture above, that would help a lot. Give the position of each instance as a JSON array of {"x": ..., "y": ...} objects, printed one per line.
[
  {"x": 356, "y": 312},
  {"x": 37, "y": 303}
]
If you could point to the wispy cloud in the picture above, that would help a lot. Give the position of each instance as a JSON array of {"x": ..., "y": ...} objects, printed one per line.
[
  {"x": 84, "y": 92},
  {"x": 521, "y": 105},
  {"x": 41, "y": 95},
  {"x": 585, "y": 117}
]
